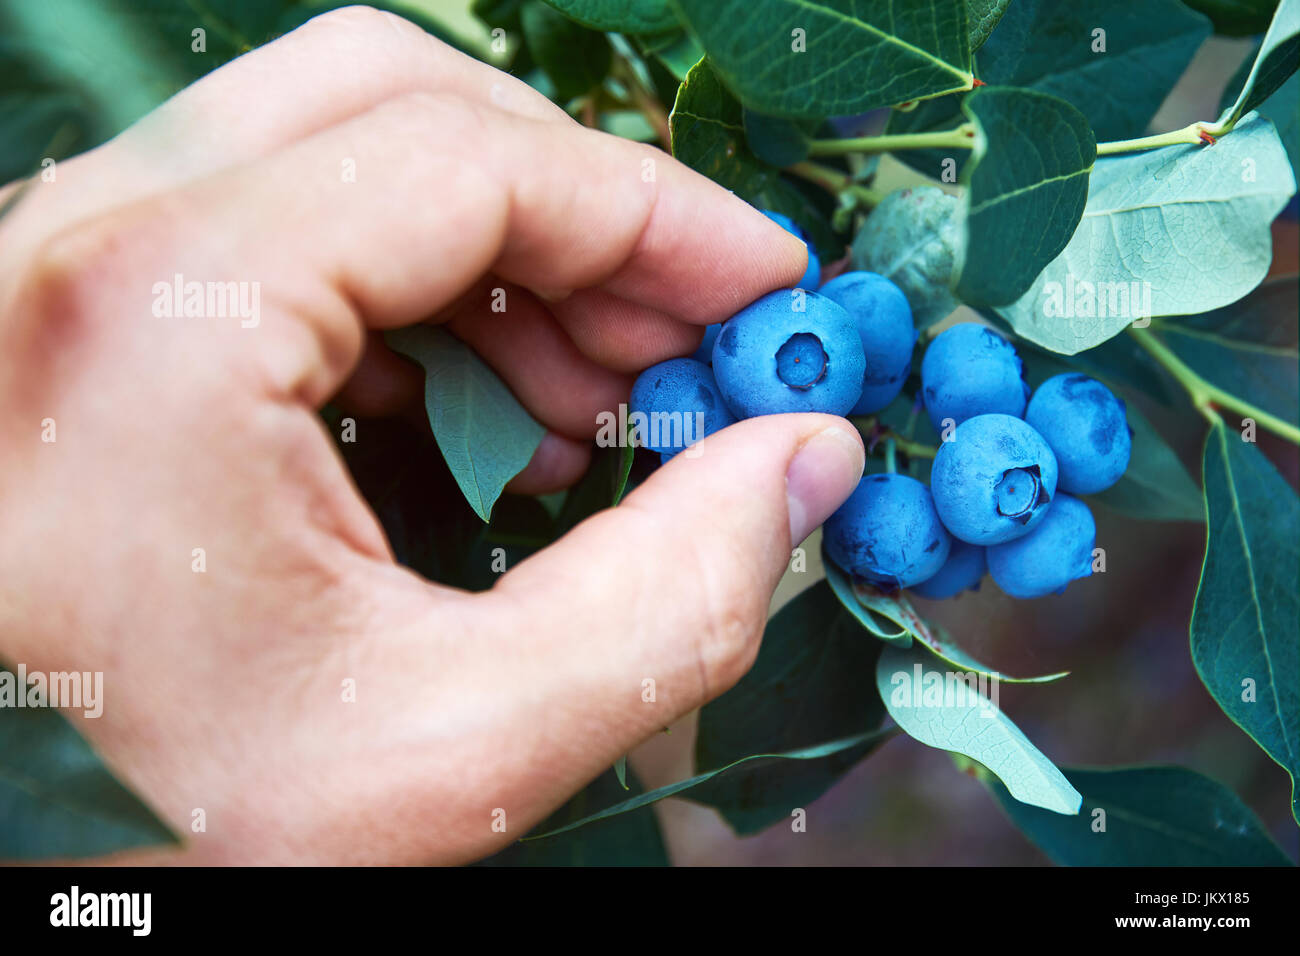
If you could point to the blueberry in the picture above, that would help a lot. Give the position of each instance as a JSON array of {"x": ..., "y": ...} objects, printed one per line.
[
  {"x": 812, "y": 277},
  {"x": 885, "y": 323},
  {"x": 1055, "y": 553},
  {"x": 705, "y": 352},
  {"x": 962, "y": 571},
  {"x": 1084, "y": 423},
  {"x": 791, "y": 351},
  {"x": 680, "y": 403},
  {"x": 993, "y": 480},
  {"x": 970, "y": 370},
  {"x": 888, "y": 532}
]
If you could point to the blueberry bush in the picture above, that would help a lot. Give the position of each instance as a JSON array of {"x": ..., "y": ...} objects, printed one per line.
[{"x": 1008, "y": 264}]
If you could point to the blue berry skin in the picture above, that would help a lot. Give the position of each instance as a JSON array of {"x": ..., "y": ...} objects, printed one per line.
[
  {"x": 1055, "y": 553},
  {"x": 1087, "y": 428},
  {"x": 962, "y": 571},
  {"x": 812, "y": 277},
  {"x": 993, "y": 480},
  {"x": 970, "y": 370},
  {"x": 770, "y": 359},
  {"x": 885, "y": 323},
  {"x": 705, "y": 352},
  {"x": 888, "y": 532},
  {"x": 682, "y": 404}
]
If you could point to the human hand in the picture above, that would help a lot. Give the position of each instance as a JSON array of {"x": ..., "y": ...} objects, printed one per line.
[{"x": 223, "y": 687}]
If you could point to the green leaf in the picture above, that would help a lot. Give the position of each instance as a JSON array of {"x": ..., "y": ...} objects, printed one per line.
[
  {"x": 806, "y": 687},
  {"x": 860, "y": 54},
  {"x": 708, "y": 134},
  {"x": 1236, "y": 18},
  {"x": 1248, "y": 349},
  {"x": 1154, "y": 816},
  {"x": 776, "y": 141},
  {"x": 1183, "y": 223},
  {"x": 620, "y": 771},
  {"x": 858, "y": 742},
  {"x": 576, "y": 59},
  {"x": 681, "y": 55},
  {"x": 889, "y": 631},
  {"x": 485, "y": 435},
  {"x": 1047, "y": 46},
  {"x": 1278, "y": 54},
  {"x": 981, "y": 17},
  {"x": 943, "y": 711},
  {"x": 57, "y": 799},
  {"x": 1155, "y": 486},
  {"x": 626, "y": 841},
  {"x": 1247, "y": 611},
  {"x": 912, "y": 239},
  {"x": 620, "y": 16},
  {"x": 600, "y": 488},
  {"x": 1026, "y": 191}
]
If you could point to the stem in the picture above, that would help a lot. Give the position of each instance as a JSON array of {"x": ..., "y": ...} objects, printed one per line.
[
  {"x": 960, "y": 138},
  {"x": 835, "y": 181},
  {"x": 646, "y": 102},
  {"x": 891, "y": 458},
  {"x": 1206, "y": 396},
  {"x": 1188, "y": 134},
  {"x": 912, "y": 449}
]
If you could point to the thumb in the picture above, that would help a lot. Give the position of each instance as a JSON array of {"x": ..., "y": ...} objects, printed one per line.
[{"x": 673, "y": 585}]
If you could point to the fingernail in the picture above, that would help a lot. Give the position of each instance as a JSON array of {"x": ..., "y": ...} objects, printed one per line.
[{"x": 821, "y": 475}]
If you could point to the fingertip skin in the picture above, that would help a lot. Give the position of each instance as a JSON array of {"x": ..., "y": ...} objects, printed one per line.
[
  {"x": 790, "y": 351},
  {"x": 965, "y": 568},
  {"x": 993, "y": 480},
  {"x": 1087, "y": 429},
  {"x": 970, "y": 370},
  {"x": 681, "y": 404},
  {"x": 884, "y": 320},
  {"x": 888, "y": 532},
  {"x": 1047, "y": 559}
]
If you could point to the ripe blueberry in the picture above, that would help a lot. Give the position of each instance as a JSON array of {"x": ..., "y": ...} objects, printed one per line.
[
  {"x": 681, "y": 404},
  {"x": 885, "y": 323},
  {"x": 993, "y": 480},
  {"x": 970, "y": 370},
  {"x": 1055, "y": 553},
  {"x": 790, "y": 351},
  {"x": 962, "y": 571},
  {"x": 812, "y": 277},
  {"x": 1085, "y": 425},
  {"x": 888, "y": 532}
]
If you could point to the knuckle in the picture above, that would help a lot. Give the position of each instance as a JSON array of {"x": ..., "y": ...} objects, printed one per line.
[{"x": 358, "y": 25}]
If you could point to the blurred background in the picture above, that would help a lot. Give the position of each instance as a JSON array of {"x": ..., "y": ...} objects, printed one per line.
[{"x": 73, "y": 72}]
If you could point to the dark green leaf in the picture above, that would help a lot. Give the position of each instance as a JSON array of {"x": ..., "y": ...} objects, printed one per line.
[
  {"x": 576, "y": 59},
  {"x": 708, "y": 134},
  {"x": 57, "y": 799},
  {"x": 810, "y": 684},
  {"x": 856, "y": 743},
  {"x": 620, "y": 16},
  {"x": 1236, "y": 18},
  {"x": 955, "y": 710},
  {"x": 981, "y": 17},
  {"x": 1152, "y": 816},
  {"x": 776, "y": 141},
  {"x": 485, "y": 435},
  {"x": 1279, "y": 52},
  {"x": 681, "y": 55},
  {"x": 600, "y": 488},
  {"x": 1026, "y": 192},
  {"x": 1247, "y": 614},
  {"x": 1248, "y": 349},
  {"x": 632, "y": 840},
  {"x": 620, "y": 771},
  {"x": 889, "y": 631},
  {"x": 860, "y": 54},
  {"x": 1047, "y": 46}
]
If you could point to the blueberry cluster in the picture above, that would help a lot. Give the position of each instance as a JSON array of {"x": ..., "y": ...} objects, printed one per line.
[{"x": 1001, "y": 497}]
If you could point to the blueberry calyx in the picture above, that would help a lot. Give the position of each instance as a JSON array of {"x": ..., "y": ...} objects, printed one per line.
[
  {"x": 1020, "y": 492},
  {"x": 801, "y": 362}
]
